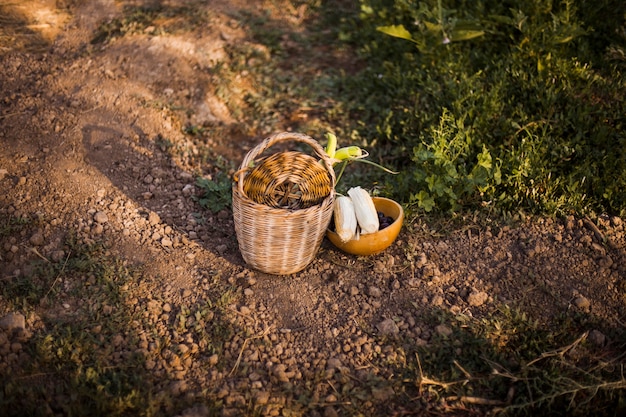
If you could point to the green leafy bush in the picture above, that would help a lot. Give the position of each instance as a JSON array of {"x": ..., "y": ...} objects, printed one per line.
[
  {"x": 517, "y": 104},
  {"x": 216, "y": 193}
]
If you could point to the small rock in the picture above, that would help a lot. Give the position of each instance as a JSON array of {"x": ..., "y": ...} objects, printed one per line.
[
  {"x": 413, "y": 282},
  {"x": 36, "y": 239},
  {"x": 582, "y": 302},
  {"x": 221, "y": 249},
  {"x": 13, "y": 321},
  {"x": 57, "y": 255},
  {"x": 379, "y": 266},
  {"x": 333, "y": 363},
  {"x": 388, "y": 327},
  {"x": 148, "y": 179},
  {"x": 188, "y": 190},
  {"x": 213, "y": 359},
  {"x": 374, "y": 291},
  {"x": 153, "y": 218},
  {"x": 443, "y": 330},
  {"x": 437, "y": 301},
  {"x": 477, "y": 298},
  {"x": 166, "y": 242},
  {"x": 382, "y": 394},
  {"x": 100, "y": 217},
  {"x": 178, "y": 387},
  {"x": 597, "y": 338},
  {"x": 331, "y": 398},
  {"x": 261, "y": 397}
]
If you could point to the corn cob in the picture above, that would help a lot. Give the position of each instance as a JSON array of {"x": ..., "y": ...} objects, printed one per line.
[
  {"x": 345, "y": 218},
  {"x": 364, "y": 209},
  {"x": 348, "y": 152}
]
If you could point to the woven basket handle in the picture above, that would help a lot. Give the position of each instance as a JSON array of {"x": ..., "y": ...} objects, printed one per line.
[{"x": 283, "y": 137}]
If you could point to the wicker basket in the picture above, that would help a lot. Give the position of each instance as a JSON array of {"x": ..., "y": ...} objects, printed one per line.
[{"x": 282, "y": 205}]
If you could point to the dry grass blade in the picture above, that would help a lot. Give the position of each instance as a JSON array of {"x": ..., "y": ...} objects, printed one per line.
[
  {"x": 424, "y": 380},
  {"x": 265, "y": 332},
  {"x": 559, "y": 352}
]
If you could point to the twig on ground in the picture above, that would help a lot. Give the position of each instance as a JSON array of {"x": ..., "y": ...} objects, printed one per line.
[
  {"x": 243, "y": 347},
  {"x": 424, "y": 380},
  {"x": 58, "y": 275},
  {"x": 559, "y": 352},
  {"x": 475, "y": 400}
]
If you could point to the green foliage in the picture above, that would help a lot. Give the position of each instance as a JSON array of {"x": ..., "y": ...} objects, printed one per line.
[
  {"x": 443, "y": 176},
  {"x": 513, "y": 104},
  {"x": 69, "y": 370},
  {"x": 216, "y": 192}
]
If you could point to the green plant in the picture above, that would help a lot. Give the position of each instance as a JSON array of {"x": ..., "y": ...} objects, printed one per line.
[
  {"x": 511, "y": 364},
  {"x": 525, "y": 83},
  {"x": 444, "y": 176},
  {"x": 216, "y": 192}
]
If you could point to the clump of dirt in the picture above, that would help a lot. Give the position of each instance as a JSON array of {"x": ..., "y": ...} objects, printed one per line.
[{"x": 92, "y": 143}]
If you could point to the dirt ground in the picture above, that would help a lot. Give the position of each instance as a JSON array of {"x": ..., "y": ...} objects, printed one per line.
[{"x": 82, "y": 148}]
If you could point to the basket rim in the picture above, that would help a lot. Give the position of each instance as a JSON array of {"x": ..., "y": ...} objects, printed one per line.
[
  {"x": 280, "y": 210},
  {"x": 274, "y": 139}
]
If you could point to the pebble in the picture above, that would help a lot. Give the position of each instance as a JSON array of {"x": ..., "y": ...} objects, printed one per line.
[
  {"x": 333, "y": 363},
  {"x": 443, "y": 330},
  {"x": 13, "y": 321},
  {"x": 382, "y": 394},
  {"x": 388, "y": 327},
  {"x": 36, "y": 239},
  {"x": 374, "y": 291},
  {"x": 154, "y": 218},
  {"x": 597, "y": 338},
  {"x": 582, "y": 302},
  {"x": 477, "y": 298},
  {"x": 100, "y": 217}
]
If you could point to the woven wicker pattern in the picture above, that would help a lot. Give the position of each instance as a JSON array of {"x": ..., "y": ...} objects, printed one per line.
[
  {"x": 280, "y": 231},
  {"x": 288, "y": 180}
]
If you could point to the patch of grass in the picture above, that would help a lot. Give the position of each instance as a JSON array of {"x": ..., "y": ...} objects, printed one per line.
[
  {"x": 512, "y": 365},
  {"x": 73, "y": 366},
  {"x": 11, "y": 225},
  {"x": 527, "y": 94}
]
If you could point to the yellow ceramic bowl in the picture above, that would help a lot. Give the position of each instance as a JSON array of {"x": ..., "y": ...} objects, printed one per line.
[{"x": 374, "y": 243}]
